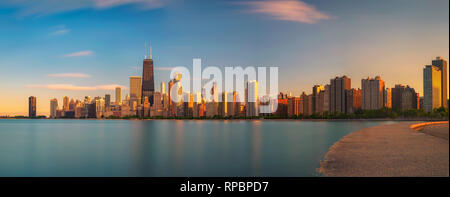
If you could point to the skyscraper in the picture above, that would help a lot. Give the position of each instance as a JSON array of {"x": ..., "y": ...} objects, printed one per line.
[
  {"x": 32, "y": 106},
  {"x": 231, "y": 103},
  {"x": 388, "y": 98},
  {"x": 66, "y": 103},
  {"x": 315, "y": 92},
  {"x": 72, "y": 105},
  {"x": 432, "y": 88},
  {"x": 223, "y": 109},
  {"x": 320, "y": 102},
  {"x": 118, "y": 95},
  {"x": 409, "y": 99},
  {"x": 163, "y": 88},
  {"x": 326, "y": 98},
  {"x": 87, "y": 99},
  {"x": 304, "y": 104},
  {"x": 293, "y": 106},
  {"x": 353, "y": 100},
  {"x": 197, "y": 100},
  {"x": 107, "y": 100},
  {"x": 148, "y": 86},
  {"x": 252, "y": 98},
  {"x": 338, "y": 86},
  {"x": 171, "y": 103},
  {"x": 372, "y": 93},
  {"x": 53, "y": 107},
  {"x": 403, "y": 97},
  {"x": 135, "y": 89},
  {"x": 442, "y": 65},
  {"x": 310, "y": 105}
]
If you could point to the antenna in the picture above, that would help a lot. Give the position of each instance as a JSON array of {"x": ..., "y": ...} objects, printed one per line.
[
  {"x": 145, "y": 46},
  {"x": 151, "y": 52}
]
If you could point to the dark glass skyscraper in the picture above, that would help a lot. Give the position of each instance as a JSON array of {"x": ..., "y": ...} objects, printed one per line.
[{"x": 148, "y": 81}]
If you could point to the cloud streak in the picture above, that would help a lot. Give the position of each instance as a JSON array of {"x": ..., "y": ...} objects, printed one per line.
[
  {"x": 47, "y": 7},
  {"x": 147, "y": 4},
  {"x": 80, "y": 54},
  {"x": 75, "y": 87},
  {"x": 286, "y": 10},
  {"x": 69, "y": 75},
  {"x": 60, "y": 32}
]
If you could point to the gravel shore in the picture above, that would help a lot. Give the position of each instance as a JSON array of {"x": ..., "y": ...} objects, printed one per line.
[{"x": 390, "y": 151}]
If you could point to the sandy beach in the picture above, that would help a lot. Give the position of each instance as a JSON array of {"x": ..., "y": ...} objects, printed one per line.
[{"x": 390, "y": 151}]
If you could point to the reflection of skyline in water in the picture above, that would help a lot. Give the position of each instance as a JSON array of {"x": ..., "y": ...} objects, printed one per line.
[
  {"x": 167, "y": 147},
  {"x": 256, "y": 147}
]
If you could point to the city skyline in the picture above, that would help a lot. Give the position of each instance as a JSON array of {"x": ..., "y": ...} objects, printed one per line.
[
  {"x": 336, "y": 97},
  {"x": 340, "y": 105},
  {"x": 60, "y": 58}
]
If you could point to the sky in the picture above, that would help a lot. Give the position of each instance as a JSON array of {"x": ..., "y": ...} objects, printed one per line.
[{"x": 51, "y": 49}]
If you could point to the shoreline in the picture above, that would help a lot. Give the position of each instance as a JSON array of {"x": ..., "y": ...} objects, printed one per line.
[{"x": 401, "y": 149}]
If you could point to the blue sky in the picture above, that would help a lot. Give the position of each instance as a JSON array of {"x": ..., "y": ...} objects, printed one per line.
[{"x": 97, "y": 44}]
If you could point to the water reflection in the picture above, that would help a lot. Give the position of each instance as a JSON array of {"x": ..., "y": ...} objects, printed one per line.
[{"x": 167, "y": 147}]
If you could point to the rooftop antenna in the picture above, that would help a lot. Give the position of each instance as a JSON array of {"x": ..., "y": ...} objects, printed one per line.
[
  {"x": 151, "y": 52},
  {"x": 145, "y": 46}
]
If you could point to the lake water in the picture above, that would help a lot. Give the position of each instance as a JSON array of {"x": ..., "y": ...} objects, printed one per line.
[{"x": 168, "y": 147}]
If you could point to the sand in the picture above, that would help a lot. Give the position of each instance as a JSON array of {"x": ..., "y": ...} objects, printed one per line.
[{"x": 390, "y": 151}]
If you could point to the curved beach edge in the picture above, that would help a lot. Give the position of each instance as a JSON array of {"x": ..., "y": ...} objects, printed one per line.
[{"x": 395, "y": 150}]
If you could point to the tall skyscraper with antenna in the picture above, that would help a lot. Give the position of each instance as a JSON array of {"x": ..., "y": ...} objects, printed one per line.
[{"x": 148, "y": 81}]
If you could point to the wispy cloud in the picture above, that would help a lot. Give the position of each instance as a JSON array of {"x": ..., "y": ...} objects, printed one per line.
[
  {"x": 287, "y": 10},
  {"x": 46, "y": 7},
  {"x": 80, "y": 54},
  {"x": 75, "y": 87},
  {"x": 147, "y": 4},
  {"x": 60, "y": 32},
  {"x": 69, "y": 75}
]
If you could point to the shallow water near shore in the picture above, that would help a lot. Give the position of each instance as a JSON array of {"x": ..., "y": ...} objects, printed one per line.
[{"x": 168, "y": 147}]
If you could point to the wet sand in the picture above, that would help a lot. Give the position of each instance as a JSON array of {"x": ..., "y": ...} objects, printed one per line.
[{"x": 390, "y": 151}]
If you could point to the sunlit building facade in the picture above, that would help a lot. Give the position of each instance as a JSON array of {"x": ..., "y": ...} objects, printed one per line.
[
  {"x": 135, "y": 89},
  {"x": 431, "y": 88}
]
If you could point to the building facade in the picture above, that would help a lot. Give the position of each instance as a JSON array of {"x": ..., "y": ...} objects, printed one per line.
[
  {"x": 252, "y": 98},
  {"x": 148, "y": 86},
  {"x": 442, "y": 65},
  {"x": 135, "y": 89},
  {"x": 32, "y": 106},
  {"x": 53, "y": 107},
  {"x": 118, "y": 96},
  {"x": 372, "y": 93},
  {"x": 338, "y": 87},
  {"x": 431, "y": 88}
]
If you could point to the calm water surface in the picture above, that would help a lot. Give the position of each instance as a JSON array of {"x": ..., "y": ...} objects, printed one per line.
[{"x": 168, "y": 147}]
